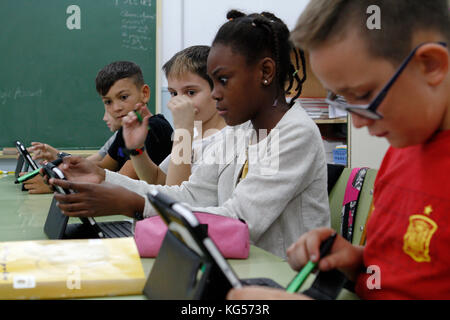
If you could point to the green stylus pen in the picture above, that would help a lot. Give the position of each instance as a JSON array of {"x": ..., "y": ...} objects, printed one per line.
[
  {"x": 33, "y": 173},
  {"x": 138, "y": 115},
  {"x": 297, "y": 282},
  {"x": 27, "y": 176}
]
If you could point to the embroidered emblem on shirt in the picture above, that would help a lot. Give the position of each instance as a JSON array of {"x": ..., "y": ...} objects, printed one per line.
[
  {"x": 416, "y": 241},
  {"x": 428, "y": 210}
]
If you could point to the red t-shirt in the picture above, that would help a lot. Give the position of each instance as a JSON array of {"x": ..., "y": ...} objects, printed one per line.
[{"x": 408, "y": 234}]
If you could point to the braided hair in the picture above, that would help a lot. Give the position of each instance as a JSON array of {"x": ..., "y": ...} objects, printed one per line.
[{"x": 257, "y": 35}]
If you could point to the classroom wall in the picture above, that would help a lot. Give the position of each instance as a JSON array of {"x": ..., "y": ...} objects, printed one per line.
[
  {"x": 195, "y": 22},
  {"x": 366, "y": 150}
]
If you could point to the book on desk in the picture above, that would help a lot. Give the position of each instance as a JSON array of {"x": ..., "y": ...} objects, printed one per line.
[{"x": 50, "y": 269}]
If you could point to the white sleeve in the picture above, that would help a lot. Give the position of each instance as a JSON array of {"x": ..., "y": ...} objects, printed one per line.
[
  {"x": 260, "y": 199},
  {"x": 164, "y": 165},
  {"x": 199, "y": 190}
]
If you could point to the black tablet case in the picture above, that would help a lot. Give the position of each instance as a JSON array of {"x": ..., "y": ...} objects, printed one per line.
[
  {"x": 57, "y": 227},
  {"x": 175, "y": 275},
  {"x": 21, "y": 166}
]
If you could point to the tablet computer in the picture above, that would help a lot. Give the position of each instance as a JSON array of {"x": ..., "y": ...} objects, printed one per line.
[
  {"x": 185, "y": 229},
  {"x": 59, "y": 220},
  {"x": 185, "y": 226},
  {"x": 20, "y": 166},
  {"x": 57, "y": 226},
  {"x": 24, "y": 153}
]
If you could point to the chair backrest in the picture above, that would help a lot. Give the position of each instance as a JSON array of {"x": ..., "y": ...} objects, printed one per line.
[
  {"x": 364, "y": 206},
  {"x": 336, "y": 197},
  {"x": 334, "y": 172}
]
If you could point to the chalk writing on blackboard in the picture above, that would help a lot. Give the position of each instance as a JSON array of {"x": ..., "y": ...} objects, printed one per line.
[
  {"x": 18, "y": 93},
  {"x": 135, "y": 30},
  {"x": 145, "y": 3}
]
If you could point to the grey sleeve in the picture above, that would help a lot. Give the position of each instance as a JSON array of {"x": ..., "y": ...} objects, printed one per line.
[{"x": 104, "y": 150}]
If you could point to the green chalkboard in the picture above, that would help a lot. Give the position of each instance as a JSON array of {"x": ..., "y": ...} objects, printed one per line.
[{"x": 50, "y": 53}]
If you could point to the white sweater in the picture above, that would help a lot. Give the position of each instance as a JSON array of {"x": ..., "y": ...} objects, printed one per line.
[
  {"x": 283, "y": 195},
  {"x": 199, "y": 147}
]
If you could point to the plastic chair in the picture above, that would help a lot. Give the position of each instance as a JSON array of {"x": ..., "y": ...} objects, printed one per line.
[
  {"x": 336, "y": 188},
  {"x": 336, "y": 197}
]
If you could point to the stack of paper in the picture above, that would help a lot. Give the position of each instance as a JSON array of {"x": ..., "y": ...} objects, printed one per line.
[
  {"x": 316, "y": 108},
  {"x": 336, "y": 112}
]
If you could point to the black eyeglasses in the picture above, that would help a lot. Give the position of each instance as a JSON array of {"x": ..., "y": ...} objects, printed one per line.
[{"x": 370, "y": 110}]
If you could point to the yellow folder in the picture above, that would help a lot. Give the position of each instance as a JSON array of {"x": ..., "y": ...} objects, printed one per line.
[{"x": 51, "y": 269}]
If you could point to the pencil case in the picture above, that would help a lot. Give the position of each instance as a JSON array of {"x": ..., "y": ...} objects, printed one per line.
[{"x": 230, "y": 235}]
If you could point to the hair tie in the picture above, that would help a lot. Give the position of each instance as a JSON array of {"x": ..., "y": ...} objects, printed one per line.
[{"x": 296, "y": 71}]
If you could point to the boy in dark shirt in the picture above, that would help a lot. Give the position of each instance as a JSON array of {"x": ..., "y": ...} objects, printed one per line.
[
  {"x": 121, "y": 86},
  {"x": 159, "y": 135}
]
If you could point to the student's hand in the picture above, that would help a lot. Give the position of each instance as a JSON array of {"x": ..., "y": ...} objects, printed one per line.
[
  {"x": 79, "y": 169},
  {"x": 36, "y": 185},
  {"x": 263, "y": 293},
  {"x": 43, "y": 151},
  {"x": 343, "y": 255},
  {"x": 92, "y": 200},
  {"x": 135, "y": 132},
  {"x": 183, "y": 112}
]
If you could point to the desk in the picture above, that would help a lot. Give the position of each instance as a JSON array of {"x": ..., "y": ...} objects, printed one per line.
[
  {"x": 80, "y": 153},
  {"x": 22, "y": 217},
  {"x": 8, "y": 161}
]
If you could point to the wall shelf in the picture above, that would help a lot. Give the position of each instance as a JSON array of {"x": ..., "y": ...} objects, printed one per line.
[{"x": 330, "y": 121}]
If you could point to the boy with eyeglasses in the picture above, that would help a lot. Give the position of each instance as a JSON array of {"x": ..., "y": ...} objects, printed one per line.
[{"x": 396, "y": 82}]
